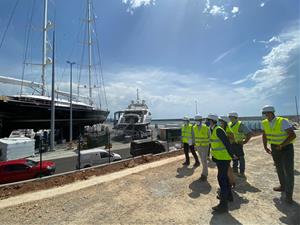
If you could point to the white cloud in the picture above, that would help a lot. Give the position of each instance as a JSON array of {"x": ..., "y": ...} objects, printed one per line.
[
  {"x": 274, "y": 39},
  {"x": 223, "y": 55},
  {"x": 242, "y": 80},
  {"x": 225, "y": 11},
  {"x": 268, "y": 80},
  {"x": 235, "y": 9},
  {"x": 262, "y": 4},
  {"x": 207, "y": 6},
  {"x": 217, "y": 10},
  {"x": 271, "y": 40},
  {"x": 134, "y": 4},
  {"x": 212, "y": 78}
]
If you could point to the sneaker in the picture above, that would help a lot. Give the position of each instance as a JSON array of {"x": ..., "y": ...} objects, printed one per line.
[
  {"x": 203, "y": 178},
  {"x": 280, "y": 189},
  {"x": 196, "y": 164}
]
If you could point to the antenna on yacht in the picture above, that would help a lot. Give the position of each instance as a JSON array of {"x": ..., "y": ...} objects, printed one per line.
[{"x": 137, "y": 95}]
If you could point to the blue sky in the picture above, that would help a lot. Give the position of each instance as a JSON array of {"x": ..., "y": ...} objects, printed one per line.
[{"x": 226, "y": 55}]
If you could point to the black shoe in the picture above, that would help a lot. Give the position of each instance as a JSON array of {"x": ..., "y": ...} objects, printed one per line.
[
  {"x": 203, "y": 178},
  {"x": 186, "y": 163},
  {"x": 221, "y": 208},
  {"x": 229, "y": 198},
  {"x": 196, "y": 164}
]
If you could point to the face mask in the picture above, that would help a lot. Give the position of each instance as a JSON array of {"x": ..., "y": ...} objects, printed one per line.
[
  {"x": 263, "y": 116},
  {"x": 219, "y": 123},
  {"x": 199, "y": 122}
]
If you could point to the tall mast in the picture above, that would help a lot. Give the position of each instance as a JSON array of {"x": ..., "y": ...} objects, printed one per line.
[
  {"x": 44, "y": 63},
  {"x": 90, "y": 48}
]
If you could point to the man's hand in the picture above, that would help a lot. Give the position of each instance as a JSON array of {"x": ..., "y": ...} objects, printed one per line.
[{"x": 269, "y": 151}]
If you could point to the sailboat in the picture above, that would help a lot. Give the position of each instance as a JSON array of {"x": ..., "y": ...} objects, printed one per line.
[{"x": 26, "y": 111}]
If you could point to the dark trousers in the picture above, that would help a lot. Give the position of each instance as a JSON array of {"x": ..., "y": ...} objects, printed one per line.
[
  {"x": 223, "y": 180},
  {"x": 284, "y": 162},
  {"x": 186, "y": 148},
  {"x": 240, "y": 161}
]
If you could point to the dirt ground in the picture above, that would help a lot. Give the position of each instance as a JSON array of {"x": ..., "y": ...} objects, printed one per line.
[
  {"x": 49, "y": 182},
  {"x": 167, "y": 194}
]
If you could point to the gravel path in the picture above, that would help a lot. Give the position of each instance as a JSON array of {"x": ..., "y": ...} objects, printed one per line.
[{"x": 168, "y": 194}]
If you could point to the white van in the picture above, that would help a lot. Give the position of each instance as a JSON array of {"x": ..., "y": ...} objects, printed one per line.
[{"x": 96, "y": 156}]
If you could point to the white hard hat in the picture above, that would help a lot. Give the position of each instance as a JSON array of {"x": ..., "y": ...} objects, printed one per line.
[
  {"x": 224, "y": 118},
  {"x": 233, "y": 114},
  {"x": 186, "y": 118},
  {"x": 268, "y": 108},
  {"x": 198, "y": 117},
  {"x": 212, "y": 117}
]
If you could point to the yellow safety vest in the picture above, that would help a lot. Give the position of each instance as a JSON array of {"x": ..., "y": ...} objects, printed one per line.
[
  {"x": 186, "y": 133},
  {"x": 275, "y": 135},
  {"x": 201, "y": 136},
  {"x": 218, "y": 149},
  {"x": 228, "y": 130},
  {"x": 238, "y": 136}
]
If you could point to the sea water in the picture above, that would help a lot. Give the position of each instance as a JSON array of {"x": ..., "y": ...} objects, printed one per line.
[{"x": 251, "y": 124}]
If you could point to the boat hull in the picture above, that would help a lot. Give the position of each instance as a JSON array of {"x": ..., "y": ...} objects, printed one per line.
[{"x": 37, "y": 115}]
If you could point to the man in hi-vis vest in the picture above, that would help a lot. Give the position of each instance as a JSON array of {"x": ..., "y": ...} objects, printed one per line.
[
  {"x": 278, "y": 132},
  {"x": 201, "y": 135},
  {"x": 186, "y": 138},
  {"x": 222, "y": 155},
  {"x": 241, "y": 135}
]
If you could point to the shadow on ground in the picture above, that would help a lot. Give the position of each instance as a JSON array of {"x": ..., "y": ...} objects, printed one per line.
[
  {"x": 185, "y": 172},
  {"x": 224, "y": 219},
  {"x": 244, "y": 186},
  {"x": 291, "y": 211},
  {"x": 199, "y": 187},
  {"x": 237, "y": 201}
]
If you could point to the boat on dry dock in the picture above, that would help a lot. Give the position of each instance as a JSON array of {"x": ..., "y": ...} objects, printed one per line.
[{"x": 33, "y": 111}]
